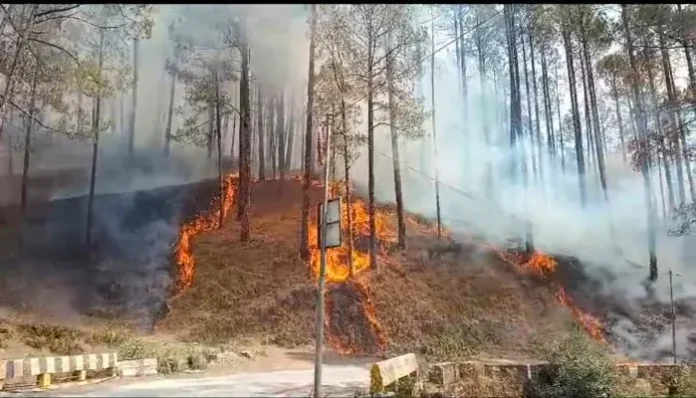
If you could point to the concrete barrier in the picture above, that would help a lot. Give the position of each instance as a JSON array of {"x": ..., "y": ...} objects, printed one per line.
[
  {"x": 42, "y": 369},
  {"x": 385, "y": 375},
  {"x": 514, "y": 376},
  {"x": 138, "y": 367}
]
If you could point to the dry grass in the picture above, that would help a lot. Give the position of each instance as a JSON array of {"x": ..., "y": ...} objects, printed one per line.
[{"x": 460, "y": 305}]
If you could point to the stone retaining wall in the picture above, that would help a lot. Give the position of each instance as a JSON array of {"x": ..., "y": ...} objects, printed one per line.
[{"x": 509, "y": 379}]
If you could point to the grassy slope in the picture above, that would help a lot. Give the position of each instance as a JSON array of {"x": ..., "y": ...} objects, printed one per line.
[{"x": 468, "y": 304}]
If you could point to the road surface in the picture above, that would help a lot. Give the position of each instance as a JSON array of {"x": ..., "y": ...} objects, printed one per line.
[{"x": 338, "y": 381}]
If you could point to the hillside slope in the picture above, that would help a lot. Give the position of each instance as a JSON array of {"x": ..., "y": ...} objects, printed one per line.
[{"x": 441, "y": 299}]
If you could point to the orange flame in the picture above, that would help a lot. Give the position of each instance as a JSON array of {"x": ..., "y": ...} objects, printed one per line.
[
  {"x": 545, "y": 265},
  {"x": 338, "y": 265},
  {"x": 185, "y": 261}
]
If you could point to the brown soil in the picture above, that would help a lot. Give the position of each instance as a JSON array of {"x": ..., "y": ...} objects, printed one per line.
[{"x": 465, "y": 304}]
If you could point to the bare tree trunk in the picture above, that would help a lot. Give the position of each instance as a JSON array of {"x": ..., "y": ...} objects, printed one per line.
[
  {"x": 27, "y": 153},
  {"x": 304, "y": 239},
  {"x": 371, "y": 44},
  {"x": 262, "y": 156},
  {"x": 245, "y": 149},
  {"x": 218, "y": 127},
  {"x": 548, "y": 108},
  {"x": 346, "y": 171},
  {"x": 619, "y": 119},
  {"x": 433, "y": 119},
  {"x": 272, "y": 138},
  {"x": 488, "y": 179},
  {"x": 658, "y": 127},
  {"x": 576, "y": 115},
  {"x": 675, "y": 119},
  {"x": 95, "y": 149},
  {"x": 211, "y": 130},
  {"x": 530, "y": 130},
  {"x": 134, "y": 101},
  {"x": 561, "y": 145},
  {"x": 281, "y": 140},
  {"x": 599, "y": 150},
  {"x": 536, "y": 112},
  {"x": 642, "y": 131},
  {"x": 291, "y": 136},
  {"x": 401, "y": 224},
  {"x": 170, "y": 113},
  {"x": 588, "y": 121}
]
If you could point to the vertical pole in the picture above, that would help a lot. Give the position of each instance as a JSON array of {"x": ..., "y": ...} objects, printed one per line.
[
  {"x": 432, "y": 103},
  {"x": 322, "y": 274},
  {"x": 674, "y": 320}
]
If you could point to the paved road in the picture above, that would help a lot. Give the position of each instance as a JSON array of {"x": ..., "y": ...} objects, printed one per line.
[{"x": 337, "y": 381}]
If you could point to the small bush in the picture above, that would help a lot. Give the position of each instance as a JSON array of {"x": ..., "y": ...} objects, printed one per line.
[
  {"x": 5, "y": 335},
  {"x": 680, "y": 382},
  {"x": 111, "y": 337},
  {"x": 578, "y": 368},
  {"x": 56, "y": 339},
  {"x": 134, "y": 349}
]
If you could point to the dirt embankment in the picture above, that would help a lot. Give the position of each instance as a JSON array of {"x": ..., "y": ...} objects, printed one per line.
[{"x": 442, "y": 300}]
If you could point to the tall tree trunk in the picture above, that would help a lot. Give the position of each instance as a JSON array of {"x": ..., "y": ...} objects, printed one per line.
[
  {"x": 599, "y": 150},
  {"x": 27, "y": 153},
  {"x": 642, "y": 131},
  {"x": 95, "y": 149},
  {"x": 245, "y": 149},
  {"x": 588, "y": 118},
  {"x": 548, "y": 108},
  {"x": 432, "y": 107},
  {"x": 291, "y": 137},
  {"x": 232, "y": 135},
  {"x": 465, "y": 104},
  {"x": 401, "y": 224},
  {"x": 346, "y": 171},
  {"x": 170, "y": 114},
  {"x": 134, "y": 100},
  {"x": 675, "y": 119},
  {"x": 560, "y": 120},
  {"x": 272, "y": 139},
  {"x": 529, "y": 140},
  {"x": 488, "y": 177},
  {"x": 579, "y": 155},
  {"x": 655, "y": 111},
  {"x": 218, "y": 136},
  {"x": 537, "y": 120},
  {"x": 304, "y": 238},
  {"x": 211, "y": 129},
  {"x": 281, "y": 139},
  {"x": 371, "y": 150},
  {"x": 619, "y": 119},
  {"x": 259, "y": 128}
]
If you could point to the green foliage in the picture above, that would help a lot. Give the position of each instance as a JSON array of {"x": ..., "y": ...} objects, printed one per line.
[{"x": 578, "y": 368}]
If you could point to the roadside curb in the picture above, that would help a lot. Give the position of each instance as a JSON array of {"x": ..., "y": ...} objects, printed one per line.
[{"x": 51, "y": 373}]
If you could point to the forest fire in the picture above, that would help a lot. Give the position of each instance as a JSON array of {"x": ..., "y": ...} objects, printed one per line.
[
  {"x": 183, "y": 253},
  {"x": 545, "y": 265},
  {"x": 338, "y": 268}
]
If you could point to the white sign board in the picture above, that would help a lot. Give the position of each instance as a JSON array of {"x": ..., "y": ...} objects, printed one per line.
[{"x": 333, "y": 225}]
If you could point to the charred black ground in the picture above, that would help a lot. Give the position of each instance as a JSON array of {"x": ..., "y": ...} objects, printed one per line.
[{"x": 126, "y": 269}]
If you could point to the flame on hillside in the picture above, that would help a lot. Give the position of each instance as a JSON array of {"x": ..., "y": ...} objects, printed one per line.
[
  {"x": 544, "y": 265},
  {"x": 338, "y": 265},
  {"x": 183, "y": 254}
]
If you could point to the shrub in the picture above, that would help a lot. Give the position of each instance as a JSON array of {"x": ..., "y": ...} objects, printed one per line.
[{"x": 578, "y": 368}]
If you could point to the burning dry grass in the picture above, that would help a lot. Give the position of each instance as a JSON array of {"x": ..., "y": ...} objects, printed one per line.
[{"x": 466, "y": 304}]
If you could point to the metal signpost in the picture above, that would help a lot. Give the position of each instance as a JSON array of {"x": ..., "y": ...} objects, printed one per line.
[
  {"x": 674, "y": 316},
  {"x": 329, "y": 235}
]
